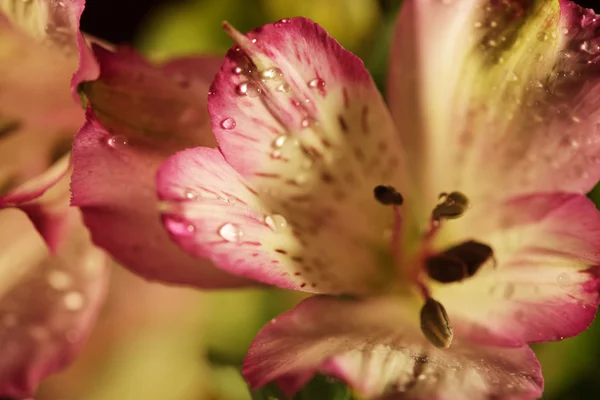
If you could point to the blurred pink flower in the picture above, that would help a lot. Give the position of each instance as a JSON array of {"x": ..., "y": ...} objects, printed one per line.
[
  {"x": 493, "y": 122},
  {"x": 50, "y": 293}
]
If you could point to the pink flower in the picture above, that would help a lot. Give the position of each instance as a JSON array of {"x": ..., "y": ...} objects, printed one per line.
[
  {"x": 455, "y": 219},
  {"x": 50, "y": 292}
]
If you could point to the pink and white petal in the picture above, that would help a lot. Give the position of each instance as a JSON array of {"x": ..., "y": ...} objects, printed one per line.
[
  {"x": 498, "y": 94},
  {"x": 300, "y": 118},
  {"x": 212, "y": 211},
  {"x": 48, "y": 302},
  {"x": 376, "y": 346},
  {"x": 546, "y": 282},
  {"x": 113, "y": 185}
]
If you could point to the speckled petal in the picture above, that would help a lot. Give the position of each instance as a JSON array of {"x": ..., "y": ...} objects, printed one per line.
[
  {"x": 48, "y": 303},
  {"x": 498, "y": 98},
  {"x": 545, "y": 282},
  {"x": 138, "y": 115},
  {"x": 377, "y": 348},
  {"x": 212, "y": 211}
]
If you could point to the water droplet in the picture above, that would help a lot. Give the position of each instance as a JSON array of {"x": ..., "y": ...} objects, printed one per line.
[
  {"x": 271, "y": 74},
  {"x": 253, "y": 40},
  {"x": 237, "y": 70},
  {"x": 231, "y": 200},
  {"x": 231, "y": 232},
  {"x": 509, "y": 290},
  {"x": 228, "y": 123},
  {"x": 276, "y": 154},
  {"x": 276, "y": 222},
  {"x": 307, "y": 122},
  {"x": 283, "y": 88},
  {"x": 178, "y": 226},
  {"x": 249, "y": 88},
  {"x": 493, "y": 24},
  {"x": 492, "y": 43},
  {"x": 279, "y": 141},
  {"x": 564, "y": 279},
  {"x": 591, "y": 46},
  {"x": 190, "y": 194},
  {"x": 574, "y": 143},
  {"x": 565, "y": 31},
  {"x": 117, "y": 141},
  {"x": 316, "y": 83},
  {"x": 59, "y": 280},
  {"x": 542, "y": 36},
  {"x": 73, "y": 301}
]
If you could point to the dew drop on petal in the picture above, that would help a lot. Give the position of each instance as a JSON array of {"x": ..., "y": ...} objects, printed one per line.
[
  {"x": 271, "y": 74},
  {"x": 189, "y": 194},
  {"x": 276, "y": 222},
  {"x": 316, "y": 83},
  {"x": 117, "y": 141},
  {"x": 59, "y": 280},
  {"x": 231, "y": 200},
  {"x": 179, "y": 226},
  {"x": 237, "y": 70},
  {"x": 283, "y": 88},
  {"x": 231, "y": 232},
  {"x": 228, "y": 123},
  {"x": 542, "y": 36},
  {"x": 249, "y": 88},
  {"x": 563, "y": 279},
  {"x": 279, "y": 141},
  {"x": 591, "y": 46},
  {"x": 73, "y": 301}
]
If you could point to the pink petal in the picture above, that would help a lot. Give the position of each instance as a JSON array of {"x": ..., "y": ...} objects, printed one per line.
[
  {"x": 300, "y": 120},
  {"x": 150, "y": 114},
  {"x": 48, "y": 302},
  {"x": 211, "y": 211},
  {"x": 377, "y": 348},
  {"x": 546, "y": 281},
  {"x": 498, "y": 98}
]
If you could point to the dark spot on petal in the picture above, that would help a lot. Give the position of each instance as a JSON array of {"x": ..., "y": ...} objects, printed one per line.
[
  {"x": 327, "y": 177},
  {"x": 343, "y": 124},
  {"x": 364, "y": 120},
  {"x": 298, "y": 259},
  {"x": 281, "y": 251}
]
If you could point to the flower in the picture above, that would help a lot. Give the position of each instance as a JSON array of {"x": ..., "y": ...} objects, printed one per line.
[
  {"x": 52, "y": 281},
  {"x": 454, "y": 223}
]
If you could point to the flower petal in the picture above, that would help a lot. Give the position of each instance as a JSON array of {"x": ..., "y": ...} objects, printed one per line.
[
  {"x": 212, "y": 211},
  {"x": 301, "y": 120},
  {"x": 150, "y": 114},
  {"x": 48, "y": 302},
  {"x": 546, "y": 281},
  {"x": 498, "y": 98},
  {"x": 377, "y": 348},
  {"x": 38, "y": 117}
]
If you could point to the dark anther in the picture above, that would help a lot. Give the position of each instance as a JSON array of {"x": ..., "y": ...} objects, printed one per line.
[
  {"x": 451, "y": 206},
  {"x": 435, "y": 324},
  {"x": 388, "y": 195},
  {"x": 458, "y": 262}
]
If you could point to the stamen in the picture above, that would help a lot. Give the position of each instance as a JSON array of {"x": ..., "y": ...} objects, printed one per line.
[
  {"x": 435, "y": 324},
  {"x": 458, "y": 262},
  {"x": 388, "y": 195},
  {"x": 451, "y": 206}
]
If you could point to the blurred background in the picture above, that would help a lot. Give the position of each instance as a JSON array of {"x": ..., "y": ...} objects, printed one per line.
[{"x": 155, "y": 342}]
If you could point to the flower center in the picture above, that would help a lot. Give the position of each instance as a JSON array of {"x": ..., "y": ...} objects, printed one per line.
[{"x": 449, "y": 266}]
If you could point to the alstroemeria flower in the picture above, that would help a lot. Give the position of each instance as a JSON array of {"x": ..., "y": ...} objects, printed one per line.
[
  {"x": 50, "y": 292},
  {"x": 38, "y": 116},
  {"x": 456, "y": 219}
]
